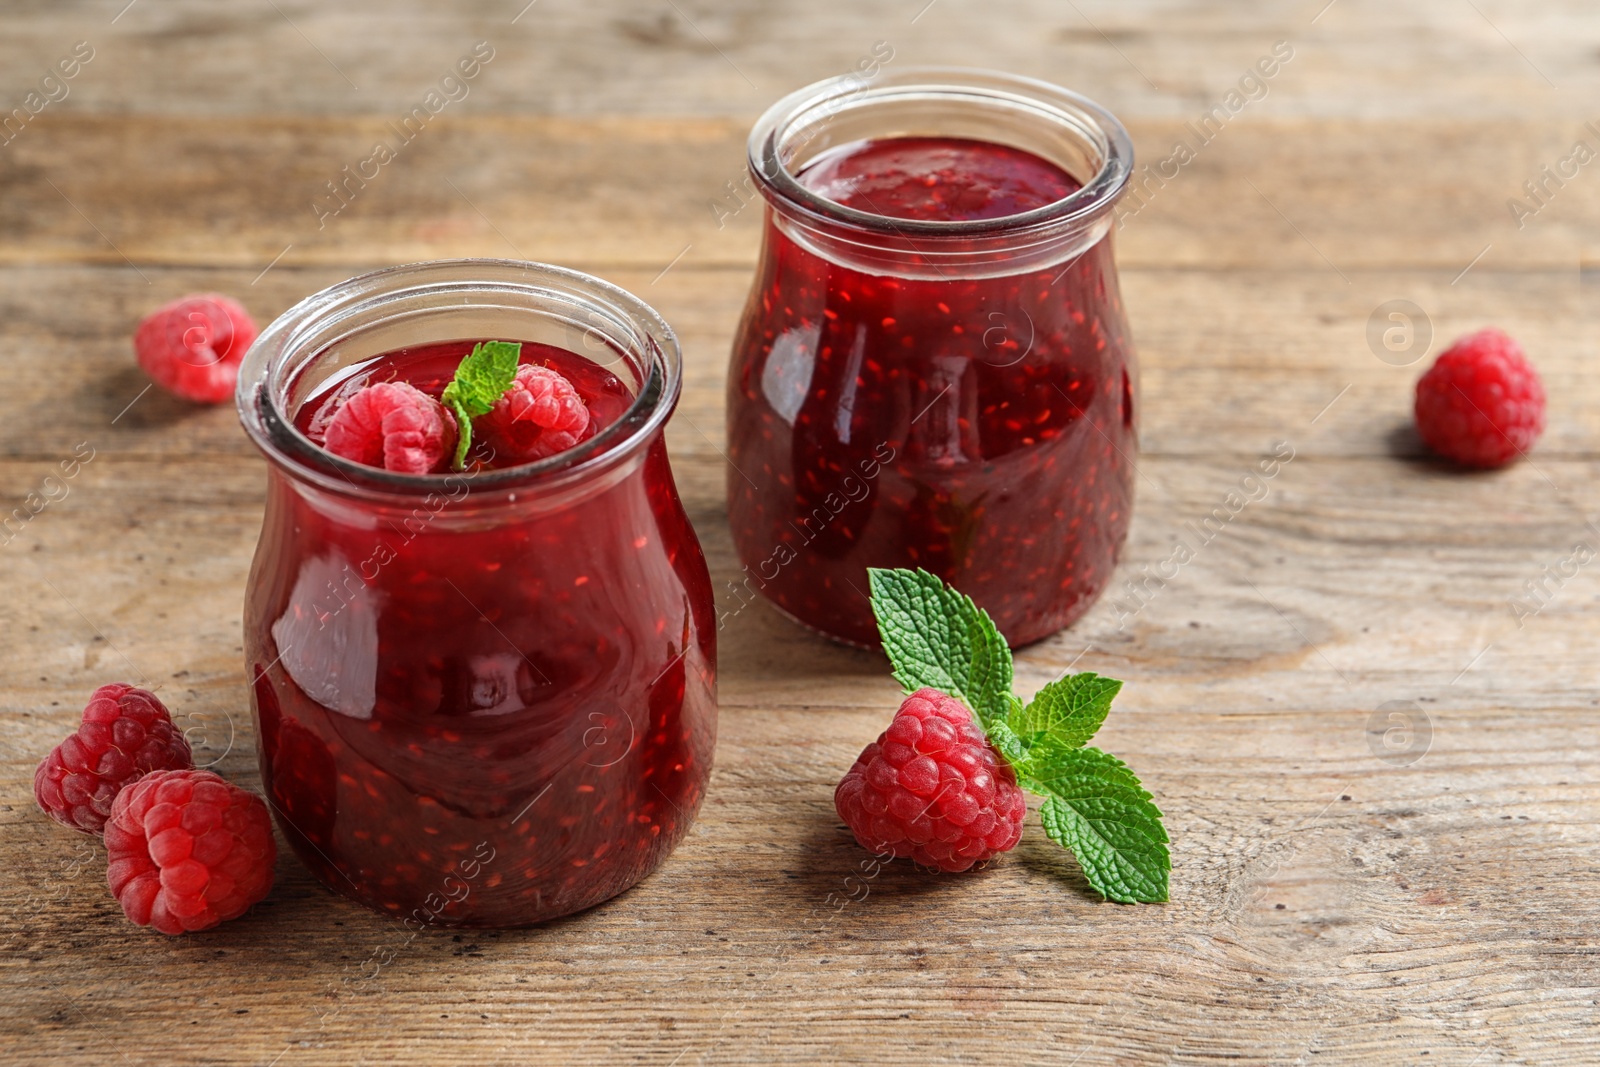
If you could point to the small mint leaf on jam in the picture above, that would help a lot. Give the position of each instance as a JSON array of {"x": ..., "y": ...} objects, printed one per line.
[
  {"x": 1096, "y": 808},
  {"x": 937, "y": 637},
  {"x": 483, "y": 376},
  {"x": 1094, "y": 805}
]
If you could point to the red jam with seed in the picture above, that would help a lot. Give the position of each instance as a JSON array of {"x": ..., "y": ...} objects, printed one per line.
[
  {"x": 483, "y": 706},
  {"x": 979, "y": 427}
]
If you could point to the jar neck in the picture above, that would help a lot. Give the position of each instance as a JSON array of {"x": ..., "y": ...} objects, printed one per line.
[
  {"x": 1060, "y": 126},
  {"x": 450, "y": 300}
]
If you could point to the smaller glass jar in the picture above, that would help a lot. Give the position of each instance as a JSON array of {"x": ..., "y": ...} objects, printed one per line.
[
  {"x": 910, "y": 390},
  {"x": 486, "y": 698}
]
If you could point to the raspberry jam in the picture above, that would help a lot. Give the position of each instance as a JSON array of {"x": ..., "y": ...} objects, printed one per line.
[
  {"x": 922, "y": 379},
  {"x": 483, "y": 698}
]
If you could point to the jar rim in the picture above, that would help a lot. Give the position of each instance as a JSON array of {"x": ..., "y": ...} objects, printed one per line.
[
  {"x": 266, "y": 372},
  {"x": 1080, "y": 208}
]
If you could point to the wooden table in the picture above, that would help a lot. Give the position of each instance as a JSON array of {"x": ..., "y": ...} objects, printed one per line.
[{"x": 1340, "y": 893}]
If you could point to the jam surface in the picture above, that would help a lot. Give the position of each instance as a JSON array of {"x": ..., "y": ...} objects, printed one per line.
[
  {"x": 980, "y": 428},
  {"x": 483, "y": 707},
  {"x": 937, "y": 179},
  {"x": 430, "y": 368}
]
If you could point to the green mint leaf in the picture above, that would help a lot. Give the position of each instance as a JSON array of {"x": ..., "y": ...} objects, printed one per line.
[
  {"x": 1066, "y": 713},
  {"x": 483, "y": 376},
  {"x": 463, "y": 431},
  {"x": 1007, "y": 743},
  {"x": 937, "y": 637},
  {"x": 1097, "y": 809}
]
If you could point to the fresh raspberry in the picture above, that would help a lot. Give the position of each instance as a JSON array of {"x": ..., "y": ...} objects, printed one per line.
[
  {"x": 125, "y": 733},
  {"x": 540, "y": 415},
  {"x": 192, "y": 347},
  {"x": 1481, "y": 403},
  {"x": 187, "y": 850},
  {"x": 931, "y": 788},
  {"x": 394, "y": 426}
]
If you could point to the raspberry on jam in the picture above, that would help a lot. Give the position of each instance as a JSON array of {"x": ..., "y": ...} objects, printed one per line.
[
  {"x": 540, "y": 415},
  {"x": 391, "y": 425}
]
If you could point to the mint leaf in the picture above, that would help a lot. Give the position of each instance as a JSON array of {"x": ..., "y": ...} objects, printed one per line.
[
  {"x": 937, "y": 637},
  {"x": 1007, "y": 743},
  {"x": 483, "y": 376},
  {"x": 1066, "y": 713},
  {"x": 1097, "y": 809}
]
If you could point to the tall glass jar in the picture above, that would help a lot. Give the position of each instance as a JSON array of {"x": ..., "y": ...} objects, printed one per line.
[
  {"x": 482, "y": 699},
  {"x": 952, "y": 394}
]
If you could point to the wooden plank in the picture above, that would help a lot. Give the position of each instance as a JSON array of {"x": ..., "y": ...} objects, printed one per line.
[
  {"x": 611, "y": 57},
  {"x": 1267, "y": 193}
]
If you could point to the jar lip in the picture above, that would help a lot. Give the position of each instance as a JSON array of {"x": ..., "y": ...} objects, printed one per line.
[
  {"x": 1089, "y": 202},
  {"x": 275, "y": 433}
]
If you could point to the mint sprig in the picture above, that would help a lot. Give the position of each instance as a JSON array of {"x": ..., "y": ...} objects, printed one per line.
[
  {"x": 483, "y": 376},
  {"x": 1094, "y": 805},
  {"x": 938, "y": 638}
]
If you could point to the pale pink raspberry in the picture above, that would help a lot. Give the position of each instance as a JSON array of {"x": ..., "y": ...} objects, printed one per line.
[
  {"x": 540, "y": 415},
  {"x": 394, "y": 426}
]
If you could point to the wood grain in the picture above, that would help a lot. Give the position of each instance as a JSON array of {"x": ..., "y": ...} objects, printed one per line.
[
  {"x": 694, "y": 57},
  {"x": 1330, "y": 905},
  {"x": 1397, "y": 194}
]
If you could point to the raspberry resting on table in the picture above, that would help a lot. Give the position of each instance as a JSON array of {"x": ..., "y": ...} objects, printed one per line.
[
  {"x": 394, "y": 426},
  {"x": 125, "y": 733},
  {"x": 539, "y": 415},
  {"x": 1481, "y": 403},
  {"x": 192, "y": 347},
  {"x": 932, "y": 789},
  {"x": 187, "y": 850}
]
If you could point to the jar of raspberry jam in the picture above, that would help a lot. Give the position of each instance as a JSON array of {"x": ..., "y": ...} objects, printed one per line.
[
  {"x": 485, "y": 697},
  {"x": 934, "y": 369}
]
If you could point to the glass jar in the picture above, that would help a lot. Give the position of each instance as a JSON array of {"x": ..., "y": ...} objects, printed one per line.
[
  {"x": 482, "y": 699},
  {"x": 958, "y": 396}
]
